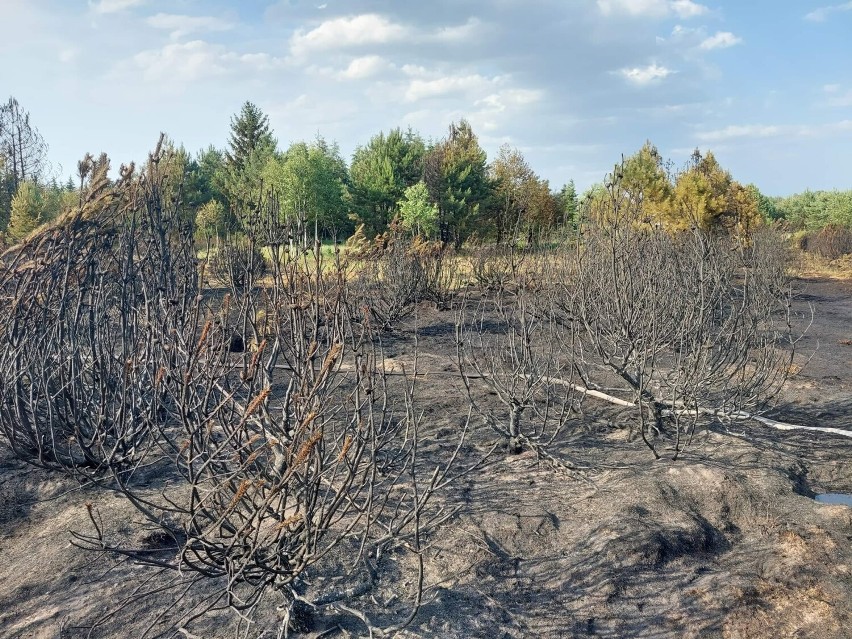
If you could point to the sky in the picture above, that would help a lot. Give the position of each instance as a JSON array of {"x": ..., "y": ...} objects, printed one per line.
[{"x": 766, "y": 85}]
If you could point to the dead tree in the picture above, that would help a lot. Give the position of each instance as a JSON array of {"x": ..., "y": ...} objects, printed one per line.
[
  {"x": 689, "y": 323},
  {"x": 510, "y": 344}
]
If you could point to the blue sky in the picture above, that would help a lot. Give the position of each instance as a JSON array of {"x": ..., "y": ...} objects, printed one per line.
[{"x": 766, "y": 85}]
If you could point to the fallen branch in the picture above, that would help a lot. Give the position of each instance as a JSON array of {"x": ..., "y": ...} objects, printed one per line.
[{"x": 737, "y": 415}]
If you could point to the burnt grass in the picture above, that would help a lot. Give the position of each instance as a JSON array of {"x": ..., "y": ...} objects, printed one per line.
[{"x": 726, "y": 542}]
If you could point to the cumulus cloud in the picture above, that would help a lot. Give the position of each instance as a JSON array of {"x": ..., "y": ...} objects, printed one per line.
[
  {"x": 371, "y": 29},
  {"x": 338, "y": 33},
  {"x": 822, "y": 13},
  {"x": 364, "y": 67},
  {"x": 197, "y": 60},
  {"x": 686, "y": 9},
  {"x": 420, "y": 89},
  {"x": 114, "y": 6},
  {"x": 643, "y": 76},
  {"x": 182, "y": 25},
  {"x": 721, "y": 40},
  {"x": 683, "y": 9}
]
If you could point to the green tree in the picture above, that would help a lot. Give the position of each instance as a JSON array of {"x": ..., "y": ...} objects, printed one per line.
[
  {"x": 205, "y": 177},
  {"x": 765, "y": 205},
  {"x": 56, "y": 200},
  {"x": 706, "y": 196},
  {"x": 512, "y": 177},
  {"x": 23, "y": 154},
  {"x": 645, "y": 179},
  {"x": 311, "y": 182},
  {"x": 418, "y": 213},
  {"x": 27, "y": 209},
  {"x": 249, "y": 132},
  {"x": 380, "y": 173},
  {"x": 212, "y": 220},
  {"x": 250, "y": 147},
  {"x": 521, "y": 200},
  {"x": 461, "y": 187},
  {"x": 568, "y": 203}
]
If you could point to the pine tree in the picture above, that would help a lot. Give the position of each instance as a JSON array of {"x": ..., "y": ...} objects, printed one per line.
[
  {"x": 380, "y": 173},
  {"x": 23, "y": 154},
  {"x": 250, "y": 133},
  {"x": 465, "y": 186},
  {"x": 26, "y": 212},
  {"x": 569, "y": 204},
  {"x": 251, "y": 145}
]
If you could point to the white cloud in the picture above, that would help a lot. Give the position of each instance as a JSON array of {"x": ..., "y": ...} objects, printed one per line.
[
  {"x": 114, "y": 6},
  {"x": 415, "y": 71},
  {"x": 742, "y": 131},
  {"x": 420, "y": 89},
  {"x": 345, "y": 32},
  {"x": 653, "y": 8},
  {"x": 838, "y": 99},
  {"x": 820, "y": 15},
  {"x": 683, "y": 9},
  {"x": 188, "y": 62},
  {"x": 503, "y": 100},
  {"x": 686, "y": 9},
  {"x": 721, "y": 40},
  {"x": 181, "y": 25},
  {"x": 364, "y": 67},
  {"x": 642, "y": 76},
  {"x": 461, "y": 33},
  {"x": 374, "y": 29},
  {"x": 761, "y": 131}
]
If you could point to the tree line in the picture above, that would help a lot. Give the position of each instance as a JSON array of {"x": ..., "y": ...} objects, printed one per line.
[{"x": 443, "y": 189}]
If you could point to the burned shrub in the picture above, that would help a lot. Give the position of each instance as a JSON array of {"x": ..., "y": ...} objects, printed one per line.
[
  {"x": 238, "y": 262},
  {"x": 390, "y": 278},
  {"x": 86, "y": 304},
  {"x": 266, "y": 462},
  {"x": 693, "y": 324}
]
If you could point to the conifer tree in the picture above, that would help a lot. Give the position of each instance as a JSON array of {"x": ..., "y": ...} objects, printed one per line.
[
  {"x": 23, "y": 154},
  {"x": 250, "y": 147},
  {"x": 250, "y": 132},
  {"x": 380, "y": 173},
  {"x": 569, "y": 203},
  {"x": 463, "y": 186},
  {"x": 26, "y": 212}
]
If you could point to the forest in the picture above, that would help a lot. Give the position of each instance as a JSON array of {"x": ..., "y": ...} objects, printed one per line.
[
  {"x": 267, "y": 393},
  {"x": 445, "y": 190}
]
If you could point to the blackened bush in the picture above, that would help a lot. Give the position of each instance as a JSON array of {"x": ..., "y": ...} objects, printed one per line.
[{"x": 238, "y": 263}]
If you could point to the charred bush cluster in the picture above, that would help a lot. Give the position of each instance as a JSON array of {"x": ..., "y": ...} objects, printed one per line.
[
  {"x": 119, "y": 366},
  {"x": 298, "y": 451}
]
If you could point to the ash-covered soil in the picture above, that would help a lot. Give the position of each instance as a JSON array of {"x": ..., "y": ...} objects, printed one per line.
[{"x": 725, "y": 542}]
